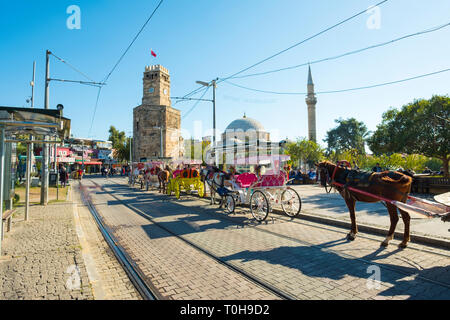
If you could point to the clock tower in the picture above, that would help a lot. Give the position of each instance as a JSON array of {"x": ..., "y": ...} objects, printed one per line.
[{"x": 156, "y": 125}]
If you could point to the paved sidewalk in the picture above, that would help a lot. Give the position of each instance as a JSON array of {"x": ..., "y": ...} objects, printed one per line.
[
  {"x": 316, "y": 202},
  {"x": 42, "y": 257},
  {"x": 60, "y": 254}
]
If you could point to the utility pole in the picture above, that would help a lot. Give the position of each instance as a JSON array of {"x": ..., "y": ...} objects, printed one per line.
[
  {"x": 45, "y": 155},
  {"x": 213, "y": 83},
  {"x": 32, "y": 84}
]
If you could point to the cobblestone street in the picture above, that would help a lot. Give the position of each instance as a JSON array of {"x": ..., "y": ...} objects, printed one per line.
[{"x": 303, "y": 259}]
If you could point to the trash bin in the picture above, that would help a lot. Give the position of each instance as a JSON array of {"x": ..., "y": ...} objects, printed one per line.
[{"x": 53, "y": 177}]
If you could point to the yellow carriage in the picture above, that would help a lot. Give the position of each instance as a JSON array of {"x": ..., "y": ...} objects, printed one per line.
[{"x": 187, "y": 180}]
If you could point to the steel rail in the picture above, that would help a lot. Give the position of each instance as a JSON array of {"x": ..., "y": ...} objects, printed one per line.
[
  {"x": 252, "y": 278},
  {"x": 346, "y": 255},
  {"x": 147, "y": 291}
]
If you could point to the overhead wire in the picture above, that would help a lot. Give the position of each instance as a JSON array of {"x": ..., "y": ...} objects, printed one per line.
[
  {"x": 345, "y": 54},
  {"x": 342, "y": 90},
  {"x": 71, "y": 66},
  {"x": 303, "y": 41},
  {"x": 120, "y": 59},
  {"x": 196, "y": 103},
  {"x": 291, "y": 47}
]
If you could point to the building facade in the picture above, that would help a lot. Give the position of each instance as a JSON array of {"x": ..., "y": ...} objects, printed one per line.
[{"x": 156, "y": 125}]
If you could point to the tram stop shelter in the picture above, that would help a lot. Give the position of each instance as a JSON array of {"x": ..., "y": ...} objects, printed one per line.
[{"x": 28, "y": 126}]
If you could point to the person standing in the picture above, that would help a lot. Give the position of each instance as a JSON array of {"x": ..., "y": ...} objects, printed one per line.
[{"x": 377, "y": 168}]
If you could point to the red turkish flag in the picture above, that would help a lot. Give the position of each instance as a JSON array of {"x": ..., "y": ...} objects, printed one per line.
[{"x": 153, "y": 53}]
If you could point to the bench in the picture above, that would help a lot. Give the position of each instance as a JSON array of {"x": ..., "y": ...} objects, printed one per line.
[{"x": 7, "y": 216}]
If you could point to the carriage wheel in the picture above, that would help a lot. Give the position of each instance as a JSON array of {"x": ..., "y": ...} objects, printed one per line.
[
  {"x": 230, "y": 204},
  {"x": 291, "y": 202},
  {"x": 177, "y": 190},
  {"x": 201, "y": 189},
  {"x": 259, "y": 206}
]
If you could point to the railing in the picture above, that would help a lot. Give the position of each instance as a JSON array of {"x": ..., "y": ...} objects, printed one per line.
[{"x": 433, "y": 185}]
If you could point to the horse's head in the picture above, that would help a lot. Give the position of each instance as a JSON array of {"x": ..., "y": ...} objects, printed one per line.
[{"x": 325, "y": 171}]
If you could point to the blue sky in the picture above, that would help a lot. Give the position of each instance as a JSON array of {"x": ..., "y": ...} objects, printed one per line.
[{"x": 202, "y": 40}]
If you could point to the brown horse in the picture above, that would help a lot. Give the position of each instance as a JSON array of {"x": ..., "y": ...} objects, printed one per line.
[
  {"x": 163, "y": 178},
  {"x": 390, "y": 185}
]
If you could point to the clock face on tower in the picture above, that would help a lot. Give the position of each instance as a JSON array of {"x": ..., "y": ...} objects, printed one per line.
[
  {"x": 165, "y": 91},
  {"x": 151, "y": 90}
]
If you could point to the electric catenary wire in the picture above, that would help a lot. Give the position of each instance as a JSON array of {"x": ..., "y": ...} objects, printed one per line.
[
  {"x": 196, "y": 103},
  {"x": 303, "y": 41},
  {"x": 132, "y": 42},
  {"x": 71, "y": 66},
  {"x": 291, "y": 47},
  {"x": 345, "y": 54},
  {"x": 342, "y": 90},
  {"x": 120, "y": 59}
]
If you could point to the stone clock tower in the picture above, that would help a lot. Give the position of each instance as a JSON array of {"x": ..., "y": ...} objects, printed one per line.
[{"x": 156, "y": 125}]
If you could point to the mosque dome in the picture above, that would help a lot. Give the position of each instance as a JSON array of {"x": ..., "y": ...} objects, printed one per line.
[{"x": 245, "y": 124}]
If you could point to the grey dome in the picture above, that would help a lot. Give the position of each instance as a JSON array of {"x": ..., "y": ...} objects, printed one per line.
[{"x": 245, "y": 124}]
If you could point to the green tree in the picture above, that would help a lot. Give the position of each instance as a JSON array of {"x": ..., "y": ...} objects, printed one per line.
[
  {"x": 116, "y": 137},
  {"x": 421, "y": 127},
  {"x": 349, "y": 134},
  {"x": 304, "y": 150},
  {"x": 120, "y": 144}
]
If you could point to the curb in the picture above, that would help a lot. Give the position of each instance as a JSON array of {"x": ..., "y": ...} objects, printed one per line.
[{"x": 418, "y": 239}]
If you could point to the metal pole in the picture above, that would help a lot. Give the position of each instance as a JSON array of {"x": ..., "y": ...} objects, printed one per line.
[
  {"x": 214, "y": 121},
  {"x": 57, "y": 172},
  {"x": 45, "y": 156},
  {"x": 2, "y": 175},
  {"x": 161, "y": 134},
  {"x": 27, "y": 181},
  {"x": 32, "y": 84}
]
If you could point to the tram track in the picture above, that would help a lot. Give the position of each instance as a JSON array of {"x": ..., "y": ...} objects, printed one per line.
[
  {"x": 147, "y": 291},
  {"x": 323, "y": 248},
  {"x": 132, "y": 269}
]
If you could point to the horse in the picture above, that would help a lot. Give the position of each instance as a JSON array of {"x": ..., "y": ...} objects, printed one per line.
[
  {"x": 388, "y": 184},
  {"x": 163, "y": 178},
  {"x": 215, "y": 178}
]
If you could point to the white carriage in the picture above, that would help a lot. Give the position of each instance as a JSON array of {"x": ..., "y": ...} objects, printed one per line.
[{"x": 261, "y": 185}]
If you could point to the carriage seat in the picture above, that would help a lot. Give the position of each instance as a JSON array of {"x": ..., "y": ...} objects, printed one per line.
[
  {"x": 176, "y": 173},
  {"x": 245, "y": 180},
  {"x": 272, "y": 180}
]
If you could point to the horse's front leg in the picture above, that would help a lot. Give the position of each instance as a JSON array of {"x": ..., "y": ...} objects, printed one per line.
[
  {"x": 351, "y": 208},
  {"x": 394, "y": 219}
]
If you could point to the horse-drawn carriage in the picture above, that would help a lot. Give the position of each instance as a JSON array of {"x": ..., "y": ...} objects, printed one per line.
[
  {"x": 259, "y": 183},
  {"x": 185, "y": 178},
  {"x": 390, "y": 187}
]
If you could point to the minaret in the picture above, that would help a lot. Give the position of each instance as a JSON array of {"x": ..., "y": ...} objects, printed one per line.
[{"x": 311, "y": 101}]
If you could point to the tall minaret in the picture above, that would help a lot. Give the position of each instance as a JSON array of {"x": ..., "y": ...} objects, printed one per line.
[{"x": 311, "y": 101}]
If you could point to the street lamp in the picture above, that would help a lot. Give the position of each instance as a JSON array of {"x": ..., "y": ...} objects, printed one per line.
[{"x": 214, "y": 85}]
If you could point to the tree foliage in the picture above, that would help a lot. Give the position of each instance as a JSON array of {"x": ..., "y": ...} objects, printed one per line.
[
  {"x": 421, "y": 127},
  {"x": 349, "y": 135},
  {"x": 121, "y": 144},
  {"x": 306, "y": 151}
]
